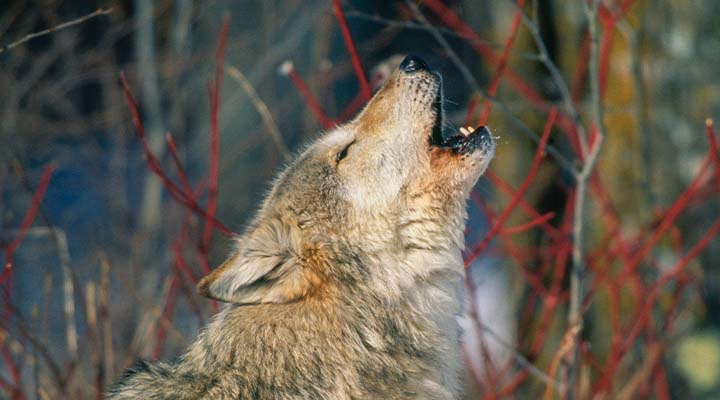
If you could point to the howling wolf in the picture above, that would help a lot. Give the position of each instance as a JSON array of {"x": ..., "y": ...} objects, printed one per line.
[{"x": 349, "y": 281}]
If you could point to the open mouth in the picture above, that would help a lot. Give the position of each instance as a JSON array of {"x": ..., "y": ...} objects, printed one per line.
[{"x": 463, "y": 141}]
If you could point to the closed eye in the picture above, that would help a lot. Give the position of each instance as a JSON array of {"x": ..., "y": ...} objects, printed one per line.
[{"x": 343, "y": 153}]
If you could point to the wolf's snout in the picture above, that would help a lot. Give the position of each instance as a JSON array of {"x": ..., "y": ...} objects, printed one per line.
[{"x": 413, "y": 63}]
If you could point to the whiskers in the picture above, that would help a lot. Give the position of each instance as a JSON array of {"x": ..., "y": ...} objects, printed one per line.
[
  {"x": 448, "y": 101},
  {"x": 500, "y": 140}
]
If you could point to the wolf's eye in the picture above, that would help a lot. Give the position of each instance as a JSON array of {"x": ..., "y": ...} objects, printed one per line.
[{"x": 343, "y": 153}]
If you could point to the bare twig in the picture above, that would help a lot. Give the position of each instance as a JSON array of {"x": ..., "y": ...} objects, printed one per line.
[
  {"x": 148, "y": 70},
  {"x": 154, "y": 165},
  {"x": 35, "y": 363},
  {"x": 68, "y": 292},
  {"x": 578, "y": 272},
  {"x": 713, "y": 149},
  {"x": 445, "y": 31},
  {"x": 104, "y": 315},
  {"x": 93, "y": 337},
  {"x": 567, "y": 344},
  {"x": 68, "y": 24},
  {"x": 521, "y": 360},
  {"x": 528, "y": 225},
  {"x": 501, "y": 64},
  {"x": 350, "y": 44},
  {"x": 544, "y": 58},
  {"x": 42, "y": 349},
  {"x": 214, "y": 88},
  {"x": 654, "y": 353},
  {"x": 261, "y": 107},
  {"x": 287, "y": 68}
]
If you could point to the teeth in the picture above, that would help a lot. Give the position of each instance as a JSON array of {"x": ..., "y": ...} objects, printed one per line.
[{"x": 466, "y": 131}]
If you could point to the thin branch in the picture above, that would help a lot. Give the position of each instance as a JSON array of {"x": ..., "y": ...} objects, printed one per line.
[
  {"x": 94, "y": 338},
  {"x": 44, "y": 352},
  {"x": 68, "y": 24},
  {"x": 154, "y": 165},
  {"x": 172, "y": 148},
  {"x": 504, "y": 187},
  {"x": 104, "y": 315},
  {"x": 669, "y": 216},
  {"x": 7, "y": 272},
  {"x": 528, "y": 225},
  {"x": 261, "y": 107},
  {"x": 148, "y": 70},
  {"x": 33, "y": 210},
  {"x": 502, "y": 64},
  {"x": 166, "y": 316},
  {"x": 641, "y": 317},
  {"x": 288, "y": 69},
  {"x": 566, "y": 345},
  {"x": 68, "y": 293},
  {"x": 445, "y": 31},
  {"x": 546, "y": 60},
  {"x": 521, "y": 360},
  {"x": 579, "y": 269},
  {"x": 499, "y": 221},
  {"x": 350, "y": 44},
  {"x": 679, "y": 267},
  {"x": 214, "y": 167},
  {"x": 713, "y": 149}
]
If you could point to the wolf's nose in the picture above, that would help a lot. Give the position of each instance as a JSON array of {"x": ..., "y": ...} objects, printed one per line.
[{"x": 413, "y": 63}]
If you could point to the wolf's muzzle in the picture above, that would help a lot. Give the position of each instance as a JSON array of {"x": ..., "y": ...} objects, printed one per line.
[{"x": 459, "y": 143}]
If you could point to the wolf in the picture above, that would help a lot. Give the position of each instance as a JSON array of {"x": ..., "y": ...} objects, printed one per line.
[{"x": 349, "y": 281}]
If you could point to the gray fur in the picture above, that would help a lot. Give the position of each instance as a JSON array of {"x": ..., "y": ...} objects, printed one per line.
[{"x": 348, "y": 283}]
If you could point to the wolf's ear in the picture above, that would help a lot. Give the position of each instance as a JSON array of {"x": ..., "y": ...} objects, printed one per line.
[{"x": 265, "y": 269}]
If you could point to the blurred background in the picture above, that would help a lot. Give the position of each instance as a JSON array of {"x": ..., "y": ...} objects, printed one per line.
[{"x": 105, "y": 273}]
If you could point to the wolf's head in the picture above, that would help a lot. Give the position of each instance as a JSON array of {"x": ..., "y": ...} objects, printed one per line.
[{"x": 389, "y": 182}]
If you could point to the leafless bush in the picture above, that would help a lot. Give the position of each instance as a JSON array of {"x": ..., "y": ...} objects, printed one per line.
[{"x": 597, "y": 217}]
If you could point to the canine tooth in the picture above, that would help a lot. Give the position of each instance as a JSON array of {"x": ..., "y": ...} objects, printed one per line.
[{"x": 464, "y": 131}]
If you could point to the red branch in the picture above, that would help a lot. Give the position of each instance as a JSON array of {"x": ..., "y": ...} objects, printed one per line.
[
  {"x": 644, "y": 313},
  {"x": 6, "y": 277},
  {"x": 25, "y": 225},
  {"x": 155, "y": 167},
  {"x": 350, "y": 44},
  {"x": 181, "y": 170},
  {"x": 471, "y": 106},
  {"x": 528, "y": 225},
  {"x": 502, "y": 63},
  {"x": 289, "y": 69},
  {"x": 497, "y": 225},
  {"x": 166, "y": 316},
  {"x": 352, "y": 108},
  {"x": 504, "y": 187},
  {"x": 581, "y": 69},
  {"x": 670, "y": 215},
  {"x": 713, "y": 149},
  {"x": 214, "y": 89}
]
